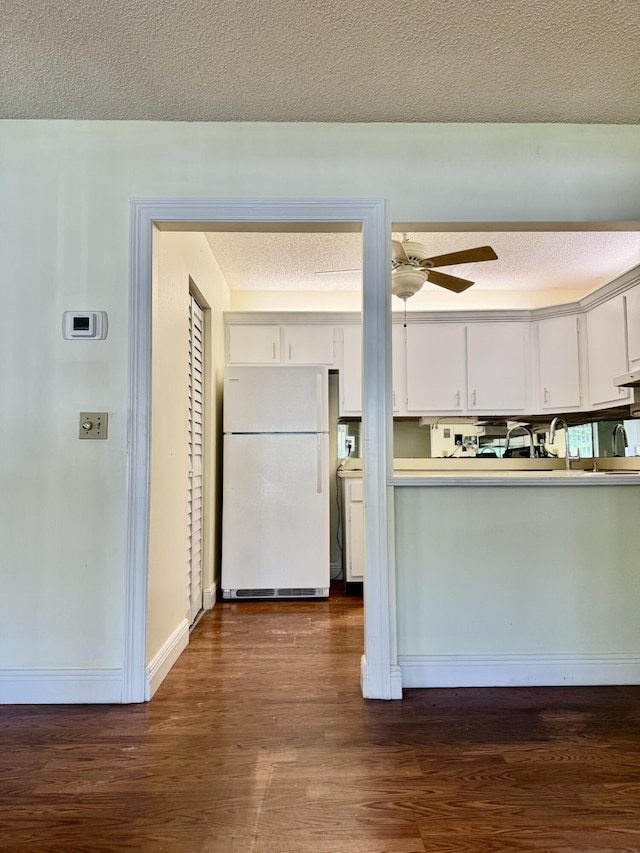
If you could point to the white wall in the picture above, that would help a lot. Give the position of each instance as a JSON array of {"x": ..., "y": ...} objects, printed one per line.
[
  {"x": 517, "y": 571},
  {"x": 428, "y": 299},
  {"x": 64, "y": 216},
  {"x": 176, "y": 259}
]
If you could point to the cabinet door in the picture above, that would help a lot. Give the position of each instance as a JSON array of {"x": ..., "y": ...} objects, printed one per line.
[
  {"x": 254, "y": 344},
  {"x": 632, "y": 298},
  {"x": 496, "y": 367},
  {"x": 607, "y": 351},
  {"x": 399, "y": 369},
  {"x": 436, "y": 372},
  {"x": 355, "y": 531},
  {"x": 351, "y": 371},
  {"x": 559, "y": 362},
  {"x": 308, "y": 345}
]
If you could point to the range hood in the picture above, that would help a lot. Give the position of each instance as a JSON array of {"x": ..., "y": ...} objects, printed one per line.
[{"x": 628, "y": 380}]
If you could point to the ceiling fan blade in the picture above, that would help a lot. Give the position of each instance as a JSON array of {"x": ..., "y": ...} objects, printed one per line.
[
  {"x": 466, "y": 256},
  {"x": 398, "y": 253},
  {"x": 451, "y": 282},
  {"x": 337, "y": 272}
]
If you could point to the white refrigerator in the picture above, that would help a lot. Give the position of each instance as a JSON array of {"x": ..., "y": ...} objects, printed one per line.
[{"x": 275, "y": 494}]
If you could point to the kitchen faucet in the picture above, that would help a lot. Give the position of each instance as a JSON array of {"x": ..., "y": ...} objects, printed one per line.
[
  {"x": 617, "y": 430},
  {"x": 552, "y": 435},
  {"x": 511, "y": 430}
]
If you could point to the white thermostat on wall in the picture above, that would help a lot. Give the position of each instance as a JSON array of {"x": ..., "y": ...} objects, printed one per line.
[{"x": 84, "y": 325}]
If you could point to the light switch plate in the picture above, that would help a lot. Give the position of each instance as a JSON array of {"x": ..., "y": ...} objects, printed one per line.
[{"x": 93, "y": 425}]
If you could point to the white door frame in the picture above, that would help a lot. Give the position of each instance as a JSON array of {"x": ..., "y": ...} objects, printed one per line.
[{"x": 380, "y": 674}]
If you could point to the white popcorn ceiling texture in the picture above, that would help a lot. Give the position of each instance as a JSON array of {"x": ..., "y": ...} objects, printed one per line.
[
  {"x": 531, "y": 260},
  {"x": 328, "y": 61}
]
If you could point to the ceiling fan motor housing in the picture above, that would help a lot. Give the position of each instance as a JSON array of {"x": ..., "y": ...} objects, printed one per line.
[{"x": 415, "y": 251}]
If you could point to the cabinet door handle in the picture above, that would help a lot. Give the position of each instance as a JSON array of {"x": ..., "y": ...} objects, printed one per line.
[
  {"x": 457, "y": 399},
  {"x": 274, "y": 350},
  {"x": 289, "y": 352},
  {"x": 473, "y": 397},
  {"x": 546, "y": 395}
]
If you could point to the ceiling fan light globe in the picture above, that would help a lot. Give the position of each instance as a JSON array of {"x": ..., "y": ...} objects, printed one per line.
[{"x": 406, "y": 282}]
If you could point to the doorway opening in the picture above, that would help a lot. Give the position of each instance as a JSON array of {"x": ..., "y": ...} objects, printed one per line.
[{"x": 379, "y": 673}]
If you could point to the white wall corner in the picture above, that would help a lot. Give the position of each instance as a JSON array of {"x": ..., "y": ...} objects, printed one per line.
[
  {"x": 161, "y": 664},
  {"x": 60, "y": 686},
  {"x": 209, "y": 596},
  {"x": 395, "y": 682},
  {"x": 519, "y": 670}
]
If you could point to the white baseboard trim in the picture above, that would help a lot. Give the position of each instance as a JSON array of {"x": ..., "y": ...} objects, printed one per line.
[
  {"x": 60, "y": 686},
  {"x": 159, "y": 667},
  {"x": 518, "y": 670},
  {"x": 209, "y": 596}
]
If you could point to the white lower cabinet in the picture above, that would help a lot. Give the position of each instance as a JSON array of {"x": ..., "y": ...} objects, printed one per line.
[
  {"x": 607, "y": 351},
  {"x": 353, "y": 543},
  {"x": 559, "y": 362}
]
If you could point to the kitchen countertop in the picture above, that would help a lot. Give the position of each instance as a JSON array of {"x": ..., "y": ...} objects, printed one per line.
[{"x": 425, "y": 475}]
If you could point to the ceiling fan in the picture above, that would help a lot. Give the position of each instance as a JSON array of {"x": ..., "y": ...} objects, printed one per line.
[{"x": 411, "y": 267}]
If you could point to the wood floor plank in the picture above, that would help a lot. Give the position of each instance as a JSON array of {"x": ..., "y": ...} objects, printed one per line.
[{"x": 259, "y": 742}]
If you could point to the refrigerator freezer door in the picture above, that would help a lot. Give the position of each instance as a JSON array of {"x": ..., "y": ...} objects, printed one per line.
[
  {"x": 276, "y": 399},
  {"x": 275, "y": 512}
]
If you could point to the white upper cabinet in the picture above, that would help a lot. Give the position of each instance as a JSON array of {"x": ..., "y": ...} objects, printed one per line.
[
  {"x": 632, "y": 298},
  {"x": 496, "y": 367},
  {"x": 399, "y": 369},
  {"x": 253, "y": 344},
  {"x": 559, "y": 362},
  {"x": 308, "y": 345},
  {"x": 436, "y": 367},
  {"x": 351, "y": 370},
  {"x": 607, "y": 351}
]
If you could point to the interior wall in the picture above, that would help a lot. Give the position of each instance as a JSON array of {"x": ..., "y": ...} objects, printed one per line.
[
  {"x": 428, "y": 299},
  {"x": 177, "y": 258},
  {"x": 547, "y": 570},
  {"x": 64, "y": 215}
]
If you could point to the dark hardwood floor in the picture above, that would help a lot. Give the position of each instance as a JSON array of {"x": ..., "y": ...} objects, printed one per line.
[{"x": 259, "y": 742}]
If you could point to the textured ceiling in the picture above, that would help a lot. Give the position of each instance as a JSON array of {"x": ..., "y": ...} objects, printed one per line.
[
  {"x": 283, "y": 60},
  {"x": 530, "y": 260}
]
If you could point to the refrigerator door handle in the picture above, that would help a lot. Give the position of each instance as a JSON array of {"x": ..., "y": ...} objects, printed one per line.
[
  {"x": 319, "y": 466},
  {"x": 319, "y": 413}
]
